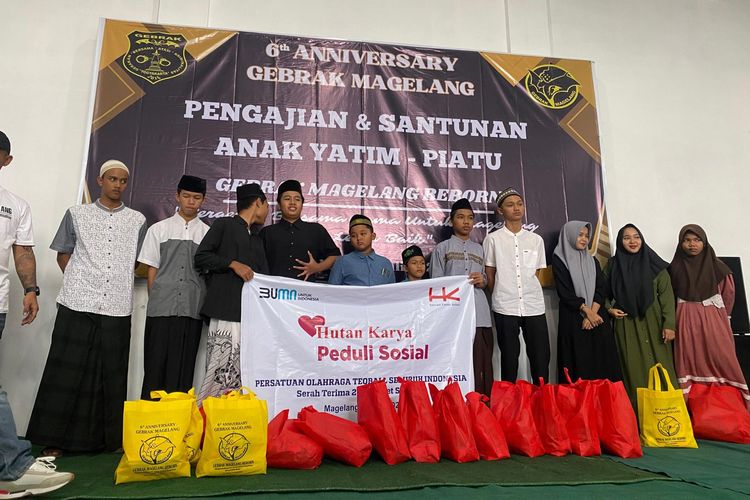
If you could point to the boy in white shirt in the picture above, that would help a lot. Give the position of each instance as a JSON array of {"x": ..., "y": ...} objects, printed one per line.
[{"x": 513, "y": 257}]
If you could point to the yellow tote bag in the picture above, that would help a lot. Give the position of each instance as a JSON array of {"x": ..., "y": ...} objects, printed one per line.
[
  {"x": 153, "y": 435},
  {"x": 236, "y": 436},
  {"x": 195, "y": 429},
  {"x": 663, "y": 416}
]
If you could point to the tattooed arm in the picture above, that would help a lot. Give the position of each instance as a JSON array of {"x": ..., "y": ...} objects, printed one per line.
[{"x": 26, "y": 269}]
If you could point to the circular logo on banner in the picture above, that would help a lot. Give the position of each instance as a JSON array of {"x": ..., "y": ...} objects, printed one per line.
[
  {"x": 668, "y": 426},
  {"x": 156, "y": 450},
  {"x": 552, "y": 86},
  {"x": 155, "y": 56},
  {"x": 233, "y": 446}
]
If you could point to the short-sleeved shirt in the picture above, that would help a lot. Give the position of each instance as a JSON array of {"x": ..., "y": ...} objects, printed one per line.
[
  {"x": 361, "y": 269},
  {"x": 15, "y": 229},
  {"x": 170, "y": 246},
  {"x": 103, "y": 245},
  {"x": 516, "y": 257},
  {"x": 457, "y": 257},
  {"x": 285, "y": 242}
]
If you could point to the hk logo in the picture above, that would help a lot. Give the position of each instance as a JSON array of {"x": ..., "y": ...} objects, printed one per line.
[{"x": 444, "y": 296}]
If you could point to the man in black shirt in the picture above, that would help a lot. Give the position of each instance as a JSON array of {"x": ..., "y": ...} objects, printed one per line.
[
  {"x": 295, "y": 248},
  {"x": 229, "y": 254}
]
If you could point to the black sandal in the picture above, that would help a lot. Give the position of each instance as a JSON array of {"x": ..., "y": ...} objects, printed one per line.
[{"x": 52, "y": 452}]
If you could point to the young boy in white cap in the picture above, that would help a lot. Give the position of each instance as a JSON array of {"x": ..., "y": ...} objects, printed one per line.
[
  {"x": 176, "y": 293},
  {"x": 513, "y": 257},
  {"x": 79, "y": 403}
]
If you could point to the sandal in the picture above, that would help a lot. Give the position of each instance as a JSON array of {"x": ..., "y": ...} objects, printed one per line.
[{"x": 51, "y": 452}]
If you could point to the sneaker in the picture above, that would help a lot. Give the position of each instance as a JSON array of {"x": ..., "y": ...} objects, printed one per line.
[{"x": 42, "y": 477}]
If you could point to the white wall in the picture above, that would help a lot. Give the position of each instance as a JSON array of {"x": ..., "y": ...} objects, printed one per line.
[{"x": 673, "y": 106}]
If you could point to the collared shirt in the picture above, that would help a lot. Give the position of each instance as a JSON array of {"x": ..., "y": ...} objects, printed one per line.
[
  {"x": 359, "y": 269},
  {"x": 457, "y": 257},
  {"x": 516, "y": 257},
  {"x": 15, "y": 229},
  {"x": 103, "y": 244},
  {"x": 228, "y": 239},
  {"x": 170, "y": 246},
  {"x": 285, "y": 242}
]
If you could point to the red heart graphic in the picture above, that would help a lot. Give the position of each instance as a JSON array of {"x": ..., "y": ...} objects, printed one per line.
[{"x": 308, "y": 324}]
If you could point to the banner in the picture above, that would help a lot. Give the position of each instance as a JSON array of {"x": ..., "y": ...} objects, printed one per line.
[
  {"x": 396, "y": 132},
  {"x": 312, "y": 344}
]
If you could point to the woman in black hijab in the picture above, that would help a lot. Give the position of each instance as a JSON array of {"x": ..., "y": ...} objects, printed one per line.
[{"x": 642, "y": 308}]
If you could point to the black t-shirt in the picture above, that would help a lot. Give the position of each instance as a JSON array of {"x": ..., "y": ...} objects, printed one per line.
[
  {"x": 228, "y": 239},
  {"x": 285, "y": 241}
]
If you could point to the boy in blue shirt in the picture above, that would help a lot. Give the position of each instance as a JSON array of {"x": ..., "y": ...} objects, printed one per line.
[{"x": 362, "y": 267}]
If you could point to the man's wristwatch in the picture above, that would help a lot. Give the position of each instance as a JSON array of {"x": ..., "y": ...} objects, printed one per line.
[{"x": 30, "y": 289}]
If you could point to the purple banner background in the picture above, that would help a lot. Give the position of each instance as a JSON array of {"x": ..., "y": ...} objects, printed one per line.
[{"x": 559, "y": 179}]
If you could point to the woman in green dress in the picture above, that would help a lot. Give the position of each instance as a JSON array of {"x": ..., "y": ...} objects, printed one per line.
[{"x": 642, "y": 305}]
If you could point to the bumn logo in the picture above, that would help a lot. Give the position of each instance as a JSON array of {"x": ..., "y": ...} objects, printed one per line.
[
  {"x": 444, "y": 296},
  {"x": 277, "y": 293}
]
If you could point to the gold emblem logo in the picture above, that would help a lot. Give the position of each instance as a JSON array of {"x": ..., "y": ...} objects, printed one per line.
[
  {"x": 233, "y": 446},
  {"x": 668, "y": 426},
  {"x": 155, "y": 56},
  {"x": 156, "y": 450},
  {"x": 552, "y": 86}
]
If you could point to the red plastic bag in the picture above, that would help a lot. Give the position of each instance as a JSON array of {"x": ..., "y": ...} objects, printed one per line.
[
  {"x": 378, "y": 417},
  {"x": 456, "y": 439},
  {"x": 578, "y": 411},
  {"x": 341, "y": 439},
  {"x": 549, "y": 422},
  {"x": 487, "y": 431},
  {"x": 616, "y": 422},
  {"x": 288, "y": 449},
  {"x": 512, "y": 408},
  {"x": 719, "y": 413},
  {"x": 276, "y": 425},
  {"x": 293, "y": 425},
  {"x": 418, "y": 419}
]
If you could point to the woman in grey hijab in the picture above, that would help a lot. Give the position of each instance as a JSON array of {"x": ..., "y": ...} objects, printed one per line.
[{"x": 585, "y": 342}]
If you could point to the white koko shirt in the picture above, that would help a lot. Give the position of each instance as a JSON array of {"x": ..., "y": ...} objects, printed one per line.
[
  {"x": 516, "y": 257},
  {"x": 103, "y": 245}
]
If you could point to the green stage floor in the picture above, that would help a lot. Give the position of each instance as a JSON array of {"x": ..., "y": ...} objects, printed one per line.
[{"x": 662, "y": 473}]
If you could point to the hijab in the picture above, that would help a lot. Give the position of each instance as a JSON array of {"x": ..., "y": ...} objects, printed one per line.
[
  {"x": 696, "y": 278},
  {"x": 632, "y": 276},
  {"x": 580, "y": 263}
]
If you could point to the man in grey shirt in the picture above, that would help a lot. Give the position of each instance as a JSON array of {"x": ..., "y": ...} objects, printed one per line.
[
  {"x": 176, "y": 293},
  {"x": 459, "y": 256}
]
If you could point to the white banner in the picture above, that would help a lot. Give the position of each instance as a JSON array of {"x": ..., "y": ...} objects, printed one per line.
[{"x": 312, "y": 344}]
